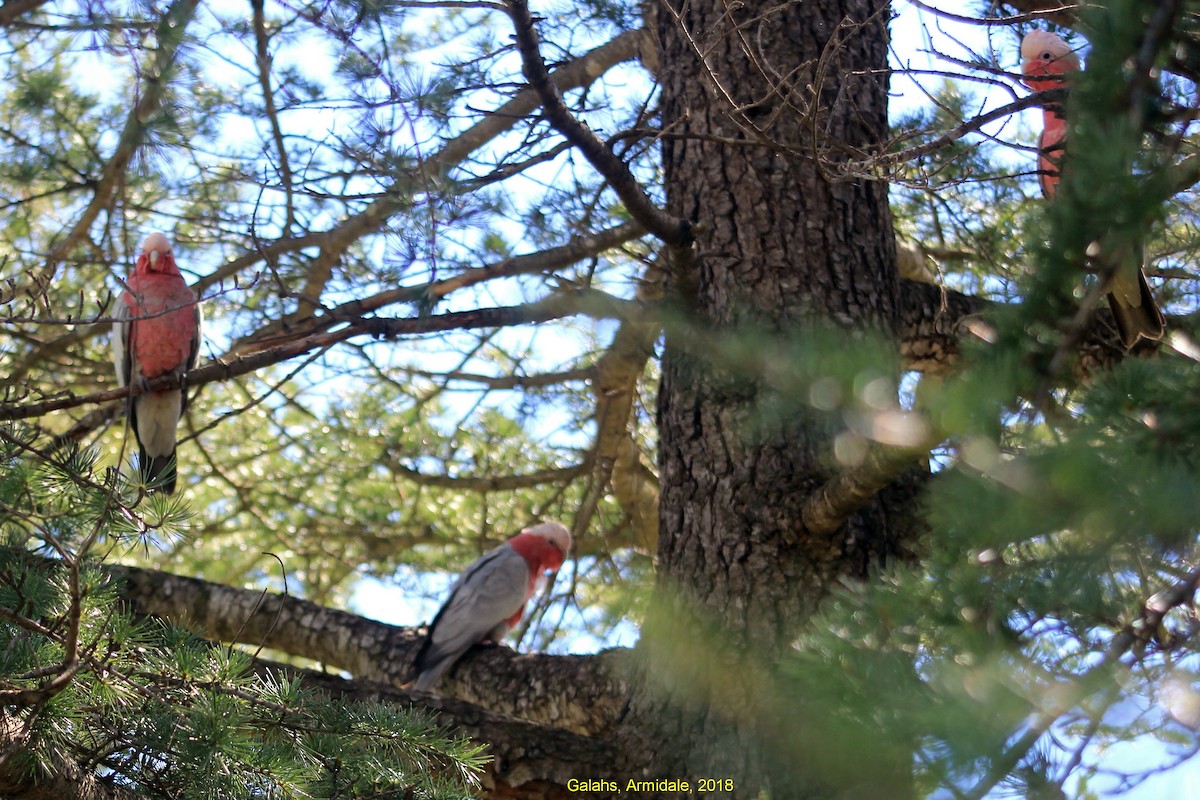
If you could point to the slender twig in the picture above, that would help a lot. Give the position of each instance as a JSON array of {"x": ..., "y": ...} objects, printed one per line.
[{"x": 264, "y": 80}]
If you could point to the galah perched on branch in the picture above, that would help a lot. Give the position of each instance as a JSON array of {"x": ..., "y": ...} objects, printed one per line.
[
  {"x": 1048, "y": 61},
  {"x": 156, "y": 333},
  {"x": 490, "y": 597}
]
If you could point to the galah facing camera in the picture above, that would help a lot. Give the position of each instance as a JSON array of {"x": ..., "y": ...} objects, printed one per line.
[
  {"x": 489, "y": 598},
  {"x": 156, "y": 332},
  {"x": 1047, "y": 62}
]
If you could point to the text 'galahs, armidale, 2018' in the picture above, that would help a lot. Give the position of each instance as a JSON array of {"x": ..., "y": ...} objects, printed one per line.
[
  {"x": 489, "y": 598},
  {"x": 156, "y": 332},
  {"x": 1047, "y": 63}
]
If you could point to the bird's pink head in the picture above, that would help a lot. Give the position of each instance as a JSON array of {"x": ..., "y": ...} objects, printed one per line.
[
  {"x": 1045, "y": 60},
  {"x": 157, "y": 256},
  {"x": 554, "y": 533}
]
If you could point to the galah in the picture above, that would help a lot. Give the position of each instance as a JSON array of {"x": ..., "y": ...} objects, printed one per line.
[
  {"x": 156, "y": 332},
  {"x": 489, "y": 598},
  {"x": 1047, "y": 63}
]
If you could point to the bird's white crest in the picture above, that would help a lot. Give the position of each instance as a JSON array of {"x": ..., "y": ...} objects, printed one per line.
[
  {"x": 554, "y": 533},
  {"x": 1037, "y": 43}
]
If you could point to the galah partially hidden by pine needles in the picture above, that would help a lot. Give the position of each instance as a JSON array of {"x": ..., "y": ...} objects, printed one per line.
[
  {"x": 489, "y": 598},
  {"x": 1048, "y": 62},
  {"x": 156, "y": 332}
]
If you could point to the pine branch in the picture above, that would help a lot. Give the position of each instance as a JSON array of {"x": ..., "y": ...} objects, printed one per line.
[
  {"x": 1138, "y": 632},
  {"x": 931, "y": 317},
  {"x": 525, "y": 754},
  {"x": 55, "y": 781},
  {"x": 577, "y": 73}
]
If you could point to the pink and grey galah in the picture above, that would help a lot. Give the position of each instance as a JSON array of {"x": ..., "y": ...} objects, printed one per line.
[
  {"x": 1048, "y": 62},
  {"x": 489, "y": 598},
  {"x": 156, "y": 332}
]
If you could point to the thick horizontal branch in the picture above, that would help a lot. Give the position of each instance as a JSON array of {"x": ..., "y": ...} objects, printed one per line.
[
  {"x": 579, "y": 693},
  {"x": 588, "y": 302},
  {"x": 505, "y": 381},
  {"x": 534, "y": 756},
  {"x": 932, "y": 322}
]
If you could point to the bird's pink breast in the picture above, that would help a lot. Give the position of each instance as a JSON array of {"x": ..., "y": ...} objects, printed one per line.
[
  {"x": 539, "y": 556},
  {"x": 1054, "y": 133},
  {"x": 161, "y": 342}
]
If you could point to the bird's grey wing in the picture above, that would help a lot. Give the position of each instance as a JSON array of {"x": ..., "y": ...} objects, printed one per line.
[
  {"x": 120, "y": 342},
  {"x": 194, "y": 352},
  {"x": 489, "y": 592},
  {"x": 193, "y": 357}
]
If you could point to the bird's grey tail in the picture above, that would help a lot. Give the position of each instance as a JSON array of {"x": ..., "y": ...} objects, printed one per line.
[
  {"x": 429, "y": 676},
  {"x": 1143, "y": 321},
  {"x": 159, "y": 473}
]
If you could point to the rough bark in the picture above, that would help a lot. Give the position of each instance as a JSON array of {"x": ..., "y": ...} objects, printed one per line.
[
  {"x": 583, "y": 694},
  {"x": 779, "y": 243}
]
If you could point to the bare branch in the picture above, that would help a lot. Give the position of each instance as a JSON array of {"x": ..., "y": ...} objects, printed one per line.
[
  {"x": 264, "y": 80},
  {"x": 832, "y": 504},
  {"x": 170, "y": 36},
  {"x": 555, "y": 306},
  {"x": 666, "y": 227},
  {"x": 542, "y": 261},
  {"x": 615, "y": 388},
  {"x": 580, "y": 72}
]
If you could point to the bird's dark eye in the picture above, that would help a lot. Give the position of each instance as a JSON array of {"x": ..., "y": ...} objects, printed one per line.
[{"x": 1047, "y": 56}]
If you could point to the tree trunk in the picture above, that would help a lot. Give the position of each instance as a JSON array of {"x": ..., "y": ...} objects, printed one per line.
[{"x": 779, "y": 243}]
